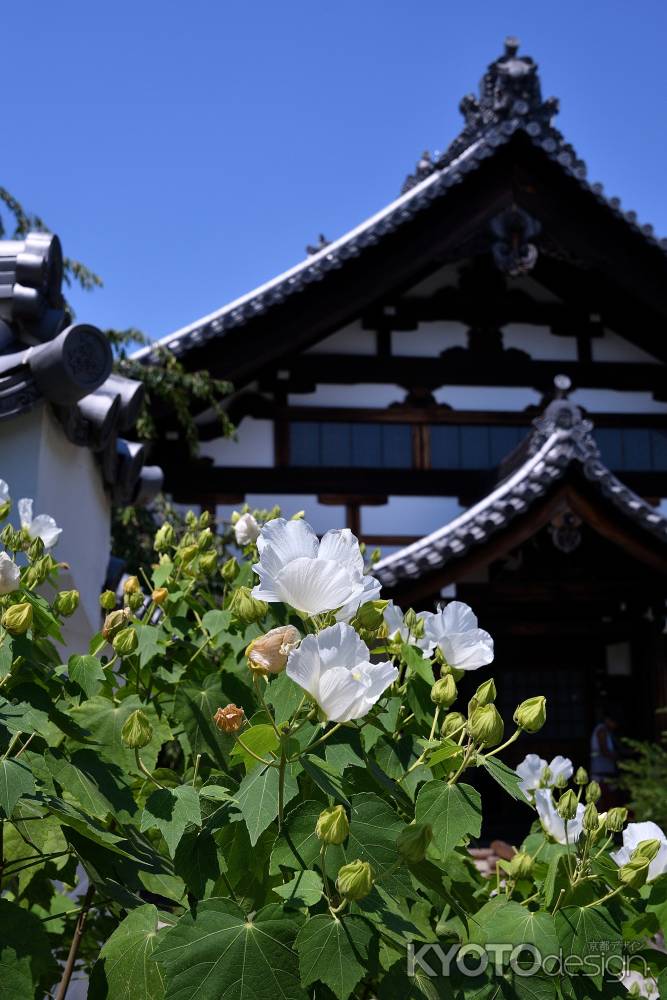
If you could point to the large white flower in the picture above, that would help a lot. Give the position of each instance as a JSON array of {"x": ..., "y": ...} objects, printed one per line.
[
  {"x": 43, "y": 526},
  {"x": 395, "y": 619},
  {"x": 640, "y": 985},
  {"x": 633, "y": 835},
  {"x": 334, "y": 668},
  {"x": 371, "y": 592},
  {"x": 311, "y": 576},
  {"x": 10, "y": 574},
  {"x": 552, "y": 822},
  {"x": 246, "y": 530},
  {"x": 4, "y": 492},
  {"x": 454, "y": 630},
  {"x": 536, "y": 773}
]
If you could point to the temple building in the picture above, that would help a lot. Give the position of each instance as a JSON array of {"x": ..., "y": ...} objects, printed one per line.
[{"x": 472, "y": 379}]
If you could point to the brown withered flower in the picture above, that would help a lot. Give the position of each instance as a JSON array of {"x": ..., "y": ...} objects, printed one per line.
[
  {"x": 268, "y": 654},
  {"x": 229, "y": 719}
]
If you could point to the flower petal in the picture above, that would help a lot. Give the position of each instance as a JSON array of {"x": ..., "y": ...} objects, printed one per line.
[
  {"x": 316, "y": 585},
  {"x": 467, "y": 650},
  {"x": 341, "y": 546},
  {"x": 303, "y": 665},
  {"x": 340, "y": 695},
  {"x": 282, "y": 541},
  {"x": 43, "y": 526},
  {"x": 25, "y": 511},
  {"x": 371, "y": 592},
  {"x": 341, "y": 646},
  {"x": 458, "y": 617}
]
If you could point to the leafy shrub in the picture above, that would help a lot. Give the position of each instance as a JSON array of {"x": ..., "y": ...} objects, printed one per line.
[{"x": 263, "y": 790}]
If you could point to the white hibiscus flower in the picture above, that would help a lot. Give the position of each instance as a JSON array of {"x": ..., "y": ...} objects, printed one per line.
[
  {"x": 246, "y": 530},
  {"x": 334, "y": 668},
  {"x": 454, "y": 630},
  {"x": 10, "y": 574},
  {"x": 552, "y": 822},
  {"x": 43, "y": 526},
  {"x": 536, "y": 773},
  {"x": 311, "y": 576},
  {"x": 633, "y": 835},
  {"x": 395, "y": 619},
  {"x": 371, "y": 592}
]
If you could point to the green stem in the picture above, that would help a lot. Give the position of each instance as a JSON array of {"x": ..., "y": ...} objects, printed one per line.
[
  {"x": 435, "y": 722},
  {"x": 281, "y": 788},
  {"x": 323, "y": 854},
  {"x": 144, "y": 770},
  {"x": 257, "y": 681},
  {"x": 338, "y": 909},
  {"x": 194, "y": 776},
  {"x": 503, "y": 746},
  {"x": 15, "y": 738},
  {"x": 311, "y": 746},
  {"x": 604, "y": 899},
  {"x": 464, "y": 763},
  {"x": 251, "y": 753}
]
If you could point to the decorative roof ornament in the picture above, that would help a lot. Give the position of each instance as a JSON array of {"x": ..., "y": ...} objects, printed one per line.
[{"x": 512, "y": 252}]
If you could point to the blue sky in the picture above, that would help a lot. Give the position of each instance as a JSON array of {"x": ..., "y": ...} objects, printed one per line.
[{"x": 188, "y": 152}]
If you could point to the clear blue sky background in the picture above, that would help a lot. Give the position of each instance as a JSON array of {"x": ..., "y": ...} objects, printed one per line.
[{"x": 189, "y": 151}]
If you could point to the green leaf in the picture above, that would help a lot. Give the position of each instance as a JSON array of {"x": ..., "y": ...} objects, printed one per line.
[
  {"x": 557, "y": 878},
  {"x": 86, "y": 825},
  {"x": 15, "y": 976},
  {"x": 125, "y": 969},
  {"x": 169, "y": 811},
  {"x": 196, "y": 861},
  {"x": 515, "y": 924},
  {"x": 257, "y": 798},
  {"x": 23, "y": 939},
  {"x": 325, "y": 777},
  {"x": 15, "y": 780},
  {"x": 588, "y": 930},
  {"x": 216, "y": 622},
  {"x": 506, "y": 778},
  {"x": 297, "y": 846},
  {"x": 261, "y": 739},
  {"x": 285, "y": 697},
  {"x": 334, "y": 952},
  {"x": 6, "y": 657},
  {"x": 151, "y": 642},
  {"x": 305, "y": 889},
  {"x": 195, "y": 705},
  {"x": 97, "y": 787},
  {"x": 454, "y": 812},
  {"x": 105, "y": 720},
  {"x": 87, "y": 672},
  {"x": 219, "y": 952}
]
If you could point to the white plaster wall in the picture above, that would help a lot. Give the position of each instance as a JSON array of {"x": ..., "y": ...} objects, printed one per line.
[
  {"x": 351, "y": 339},
  {"x": 38, "y": 461},
  {"x": 611, "y": 401},
  {"x": 611, "y": 347},
  {"x": 370, "y": 396},
  {"x": 429, "y": 339},
  {"x": 539, "y": 342},
  {"x": 252, "y": 445},
  {"x": 483, "y": 397}
]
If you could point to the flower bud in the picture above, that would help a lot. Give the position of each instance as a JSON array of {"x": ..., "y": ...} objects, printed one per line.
[
  {"x": 66, "y": 602},
  {"x": 230, "y": 570},
  {"x": 191, "y": 519},
  {"x": 520, "y": 865},
  {"x": 205, "y": 539},
  {"x": 7, "y": 537},
  {"x": 5, "y": 508},
  {"x": 136, "y": 732},
  {"x": 160, "y": 595},
  {"x": 246, "y": 530},
  {"x": 485, "y": 693},
  {"x": 164, "y": 537},
  {"x": 616, "y": 819},
  {"x": 36, "y": 549},
  {"x": 560, "y": 781},
  {"x": 208, "y": 563},
  {"x": 134, "y": 601},
  {"x": 355, "y": 880},
  {"x": 581, "y": 776},
  {"x": 531, "y": 714},
  {"x": 453, "y": 723},
  {"x": 268, "y": 653},
  {"x": 443, "y": 692},
  {"x": 186, "y": 554},
  {"x": 591, "y": 818},
  {"x": 486, "y": 726},
  {"x": 593, "y": 792},
  {"x": 17, "y": 619},
  {"x": 567, "y": 805},
  {"x": 419, "y": 629},
  {"x": 634, "y": 873},
  {"x": 332, "y": 825},
  {"x": 647, "y": 849},
  {"x": 107, "y": 600},
  {"x": 132, "y": 585},
  {"x": 114, "y": 621},
  {"x": 371, "y": 615},
  {"x": 125, "y": 642},
  {"x": 204, "y": 519},
  {"x": 412, "y": 842},
  {"x": 410, "y": 620},
  {"x": 229, "y": 719},
  {"x": 247, "y": 608}
]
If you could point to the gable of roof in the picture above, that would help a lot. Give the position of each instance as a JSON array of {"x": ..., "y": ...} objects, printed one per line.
[{"x": 509, "y": 106}]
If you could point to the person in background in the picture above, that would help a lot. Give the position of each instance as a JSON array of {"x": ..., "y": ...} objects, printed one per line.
[{"x": 604, "y": 759}]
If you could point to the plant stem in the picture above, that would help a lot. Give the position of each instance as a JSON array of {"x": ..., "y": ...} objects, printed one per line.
[
  {"x": 604, "y": 899},
  {"x": 76, "y": 941},
  {"x": 470, "y": 749},
  {"x": 194, "y": 776},
  {"x": 435, "y": 722},
  {"x": 513, "y": 737},
  {"x": 267, "y": 763},
  {"x": 142, "y": 767},
  {"x": 257, "y": 681},
  {"x": 317, "y": 742},
  {"x": 281, "y": 788},
  {"x": 323, "y": 854}
]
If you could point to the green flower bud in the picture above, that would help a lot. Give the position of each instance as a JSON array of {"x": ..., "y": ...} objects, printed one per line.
[
  {"x": 132, "y": 585},
  {"x": 66, "y": 602},
  {"x": 593, "y": 792},
  {"x": 205, "y": 539},
  {"x": 17, "y": 619},
  {"x": 5, "y": 508},
  {"x": 371, "y": 615},
  {"x": 208, "y": 563},
  {"x": 8, "y": 538},
  {"x": 443, "y": 692},
  {"x": 634, "y": 873},
  {"x": 413, "y": 841},
  {"x": 410, "y": 619},
  {"x": 230, "y": 570},
  {"x": 531, "y": 714},
  {"x": 204, "y": 519},
  {"x": 355, "y": 880},
  {"x": 591, "y": 818},
  {"x": 647, "y": 849},
  {"x": 107, "y": 600},
  {"x": 453, "y": 722},
  {"x": 114, "y": 621},
  {"x": 616, "y": 819},
  {"x": 486, "y": 726},
  {"x": 581, "y": 776},
  {"x": 134, "y": 601},
  {"x": 164, "y": 537},
  {"x": 137, "y": 731},
  {"x": 36, "y": 549},
  {"x": 247, "y": 608},
  {"x": 567, "y": 805},
  {"x": 485, "y": 693},
  {"x": 332, "y": 825},
  {"x": 520, "y": 866},
  {"x": 159, "y": 595},
  {"x": 559, "y": 782},
  {"x": 191, "y": 519},
  {"x": 186, "y": 554},
  {"x": 419, "y": 629},
  {"x": 126, "y": 641}
]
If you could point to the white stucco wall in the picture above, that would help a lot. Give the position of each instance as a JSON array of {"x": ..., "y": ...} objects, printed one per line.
[
  {"x": 38, "y": 461},
  {"x": 251, "y": 446}
]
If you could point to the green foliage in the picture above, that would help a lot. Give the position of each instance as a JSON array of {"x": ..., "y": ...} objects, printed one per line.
[
  {"x": 192, "y": 836},
  {"x": 643, "y": 777}
]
